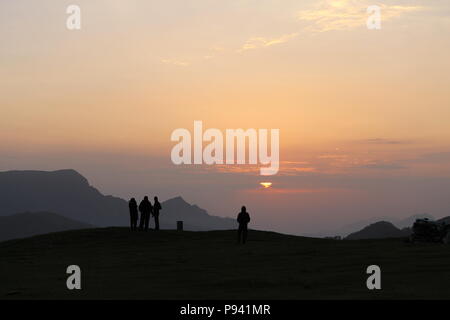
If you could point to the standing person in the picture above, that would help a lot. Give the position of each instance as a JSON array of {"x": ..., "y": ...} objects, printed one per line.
[
  {"x": 132, "y": 205},
  {"x": 156, "y": 208},
  {"x": 145, "y": 207},
  {"x": 147, "y": 214},
  {"x": 243, "y": 219}
]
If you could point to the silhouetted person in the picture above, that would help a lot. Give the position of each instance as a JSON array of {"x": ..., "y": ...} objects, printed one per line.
[
  {"x": 132, "y": 204},
  {"x": 243, "y": 219},
  {"x": 145, "y": 207},
  {"x": 156, "y": 208}
]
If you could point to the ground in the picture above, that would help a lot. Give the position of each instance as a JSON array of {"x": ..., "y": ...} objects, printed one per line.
[{"x": 119, "y": 264}]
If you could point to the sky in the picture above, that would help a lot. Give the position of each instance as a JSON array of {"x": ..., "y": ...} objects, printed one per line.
[{"x": 363, "y": 114}]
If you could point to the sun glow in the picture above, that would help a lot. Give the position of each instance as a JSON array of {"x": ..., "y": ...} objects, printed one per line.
[{"x": 266, "y": 184}]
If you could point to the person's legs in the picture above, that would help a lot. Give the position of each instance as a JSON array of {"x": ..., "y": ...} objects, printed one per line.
[
  {"x": 147, "y": 218},
  {"x": 239, "y": 234},
  {"x": 244, "y": 234},
  {"x": 142, "y": 221},
  {"x": 156, "y": 221}
]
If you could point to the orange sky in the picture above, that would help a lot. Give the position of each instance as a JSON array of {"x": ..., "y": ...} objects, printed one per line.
[{"x": 348, "y": 101}]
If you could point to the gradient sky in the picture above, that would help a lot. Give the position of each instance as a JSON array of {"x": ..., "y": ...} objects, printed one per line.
[{"x": 363, "y": 114}]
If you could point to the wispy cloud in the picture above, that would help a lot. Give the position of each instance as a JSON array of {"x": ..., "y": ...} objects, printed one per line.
[
  {"x": 437, "y": 157},
  {"x": 382, "y": 166},
  {"x": 293, "y": 191},
  {"x": 175, "y": 62},
  {"x": 262, "y": 42},
  {"x": 287, "y": 168},
  {"x": 383, "y": 141},
  {"x": 327, "y": 15}
]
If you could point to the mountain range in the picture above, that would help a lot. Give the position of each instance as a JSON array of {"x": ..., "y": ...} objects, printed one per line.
[
  {"x": 65, "y": 192},
  {"x": 353, "y": 227},
  {"x": 50, "y": 201},
  {"x": 27, "y": 224},
  {"x": 385, "y": 229},
  {"x": 379, "y": 230},
  {"x": 69, "y": 194}
]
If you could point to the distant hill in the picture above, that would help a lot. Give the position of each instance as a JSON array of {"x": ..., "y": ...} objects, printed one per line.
[
  {"x": 65, "y": 191},
  {"x": 445, "y": 220},
  {"x": 68, "y": 193},
  {"x": 22, "y": 225},
  {"x": 194, "y": 217},
  {"x": 379, "y": 230},
  {"x": 408, "y": 222},
  {"x": 347, "y": 229}
]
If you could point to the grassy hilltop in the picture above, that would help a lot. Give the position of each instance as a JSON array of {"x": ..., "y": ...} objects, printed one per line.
[{"x": 119, "y": 264}]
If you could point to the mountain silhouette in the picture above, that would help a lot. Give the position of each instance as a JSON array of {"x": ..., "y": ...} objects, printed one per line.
[
  {"x": 22, "y": 225},
  {"x": 408, "y": 222},
  {"x": 445, "y": 220},
  {"x": 65, "y": 191},
  {"x": 353, "y": 227},
  {"x": 379, "y": 230},
  {"x": 69, "y": 194},
  {"x": 195, "y": 217}
]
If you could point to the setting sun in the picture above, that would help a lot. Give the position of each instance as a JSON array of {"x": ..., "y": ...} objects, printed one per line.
[{"x": 266, "y": 184}]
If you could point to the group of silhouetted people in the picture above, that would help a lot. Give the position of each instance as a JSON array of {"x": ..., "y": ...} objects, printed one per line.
[{"x": 146, "y": 210}]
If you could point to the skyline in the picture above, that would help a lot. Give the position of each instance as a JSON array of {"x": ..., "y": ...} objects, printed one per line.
[{"x": 362, "y": 113}]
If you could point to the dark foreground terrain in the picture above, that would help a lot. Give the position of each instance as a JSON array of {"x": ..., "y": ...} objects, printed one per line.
[{"x": 118, "y": 264}]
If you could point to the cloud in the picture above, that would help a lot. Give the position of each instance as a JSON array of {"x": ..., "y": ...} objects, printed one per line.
[
  {"x": 287, "y": 191},
  {"x": 175, "y": 62},
  {"x": 384, "y": 141},
  {"x": 217, "y": 48},
  {"x": 383, "y": 166},
  {"x": 327, "y": 15},
  {"x": 262, "y": 42},
  {"x": 333, "y": 156},
  {"x": 287, "y": 168},
  {"x": 437, "y": 157}
]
